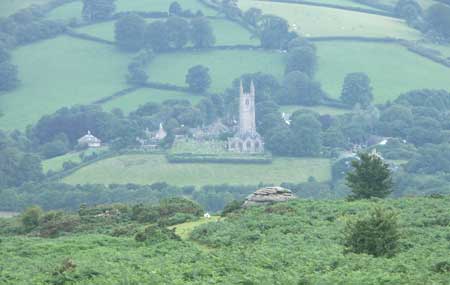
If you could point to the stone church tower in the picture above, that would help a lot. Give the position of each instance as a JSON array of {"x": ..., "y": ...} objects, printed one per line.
[{"x": 246, "y": 140}]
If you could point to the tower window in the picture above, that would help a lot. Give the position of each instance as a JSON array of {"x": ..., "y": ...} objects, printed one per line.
[{"x": 247, "y": 102}]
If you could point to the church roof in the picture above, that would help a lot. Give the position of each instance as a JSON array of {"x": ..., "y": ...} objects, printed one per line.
[{"x": 89, "y": 138}]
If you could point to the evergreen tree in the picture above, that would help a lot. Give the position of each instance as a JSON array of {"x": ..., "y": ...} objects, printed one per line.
[
  {"x": 371, "y": 177},
  {"x": 8, "y": 76},
  {"x": 175, "y": 9}
]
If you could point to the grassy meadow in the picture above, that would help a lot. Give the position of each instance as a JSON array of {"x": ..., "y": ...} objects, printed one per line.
[
  {"x": 147, "y": 169},
  {"x": 139, "y": 97},
  {"x": 61, "y": 72},
  {"x": 322, "y": 21},
  {"x": 392, "y": 68},
  {"x": 67, "y": 11},
  {"x": 56, "y": 163},
  {"x": 224, "y": 66}
]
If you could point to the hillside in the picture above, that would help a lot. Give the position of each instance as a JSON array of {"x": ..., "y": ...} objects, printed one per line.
[{"x": 299, "y": 241}]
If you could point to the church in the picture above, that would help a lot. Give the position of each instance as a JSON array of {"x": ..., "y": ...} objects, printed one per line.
[{"x": 246, "y": 139}]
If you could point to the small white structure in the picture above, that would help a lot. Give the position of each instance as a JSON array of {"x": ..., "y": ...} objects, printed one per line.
[
  {"x": 161, "y": 133},
  {"x": 207, "y": 216},
  {"x": 89, "y": 140}
]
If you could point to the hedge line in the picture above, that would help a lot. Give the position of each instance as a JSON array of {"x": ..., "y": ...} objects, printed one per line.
[
  {"x": 87, "y": 37},
  {"x": 116, "y": 95},
  {"x": 428, "y": 53},
  {"x": 354, "y": 38},
  {"x": 335, "y": 6},
  {"x": 198, "y": 158},
  {"x": 375, "y": 5}
]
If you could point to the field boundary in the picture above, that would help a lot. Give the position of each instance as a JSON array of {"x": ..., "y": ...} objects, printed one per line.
[
  {"x": 336, "y": 6},
  {"x": 86, "y": 37}
]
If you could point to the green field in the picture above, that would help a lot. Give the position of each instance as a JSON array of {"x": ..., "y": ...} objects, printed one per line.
[
  {"x": 321, "y": 21},
  {"x": 56, "y": 163},
  {"x": 147, "y": 169},
  {"x": 133, "y": 100},
  {"x": 346, "y": 3},
  {"x": 224, "y": 66},
  {"x": 226, "y": 32},
  {"x": 391, "y": 68},
  {"x": 73, "y": 9},
  {"x": 61, "y": 72},
  {"x": 8, "y": 7},
  {"x": 322, "y": 110}
]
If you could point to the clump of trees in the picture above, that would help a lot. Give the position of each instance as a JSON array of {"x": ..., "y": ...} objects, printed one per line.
[
  {"x": 98, "y": 10},
  {"x": 132, "y": 33},
  {"x": 198, "y": 78},
  {"x": 357, "y": 89},
  {"x": 8, "y": 72},
  {"x": 438, "y": 19}
]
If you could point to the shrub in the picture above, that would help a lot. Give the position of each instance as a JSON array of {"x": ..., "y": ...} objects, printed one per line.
[
  {"x": 155, "y": 234},
  {"x": 30, "y": 218},
  {"x": 376, "y": 234},
  {"x": 231, "y": 207}
]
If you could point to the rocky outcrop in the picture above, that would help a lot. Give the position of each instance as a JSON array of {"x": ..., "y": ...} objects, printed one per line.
[{"x": 269, "y": 195}]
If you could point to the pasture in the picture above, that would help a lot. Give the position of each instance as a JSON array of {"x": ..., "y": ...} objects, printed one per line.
[
  {"x": 139, "y": 97},
  {"x": 224, "y": 66},
  {"x": 313, "y": 21},
  {"x": 56, "y": 163},
  {"x": 392, "y": 69},
  {"x": 147, "y": 169},
  {"x": 61, "y": 72}
]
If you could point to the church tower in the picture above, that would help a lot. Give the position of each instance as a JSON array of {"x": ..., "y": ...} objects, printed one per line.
[
  {"x": 246, "y": 139},
  {"x": 247, "y": 120}
]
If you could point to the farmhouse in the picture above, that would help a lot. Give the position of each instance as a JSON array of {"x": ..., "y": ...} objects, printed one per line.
[
  {"x": 246, "y": 140},
  {"x": 89, "y": 140}
]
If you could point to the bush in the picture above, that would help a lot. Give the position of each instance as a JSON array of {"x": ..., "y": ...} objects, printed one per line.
[
  {"x": 155, "y": 234},
  {"x": 30, "y": 218},
  {"x": 231, "y": 207},
  {"x": 376, "y": 234}
]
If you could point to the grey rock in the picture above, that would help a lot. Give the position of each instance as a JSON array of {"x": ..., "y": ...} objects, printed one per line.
[{"x": 269, "y": 195}]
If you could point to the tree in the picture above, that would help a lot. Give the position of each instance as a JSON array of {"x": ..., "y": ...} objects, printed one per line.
[
  {"x": 298, "y": 88},
  {"x": 202, "y": 33},
  {"x": 4, "y": 55},
  {"x": 274, "y": 32},
  {"x": 438, "y": 16},
  {"x": 252, "y": 16},
  {"x": 177, "y": 32},
  {"x": 376, "y": 234},
  {"x": 98, "y": 10},
  {"x": 175, "y": 9},
  {"x": 198, "y": 78},
  {"x": 129, "y": 32},
  {"x": 409, "y": 10},
  {"x": 302, "y": 59},
  {"x": 156, "y": 36},
  {"x": 8, "y": 76},
  {"x": 357, "y": 89},
  {"x": 306, "y": 129},
  {"x": 371, "y": 177}
]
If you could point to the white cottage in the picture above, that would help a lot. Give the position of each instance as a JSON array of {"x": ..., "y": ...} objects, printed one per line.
[{"x": 89, "y": 140}]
